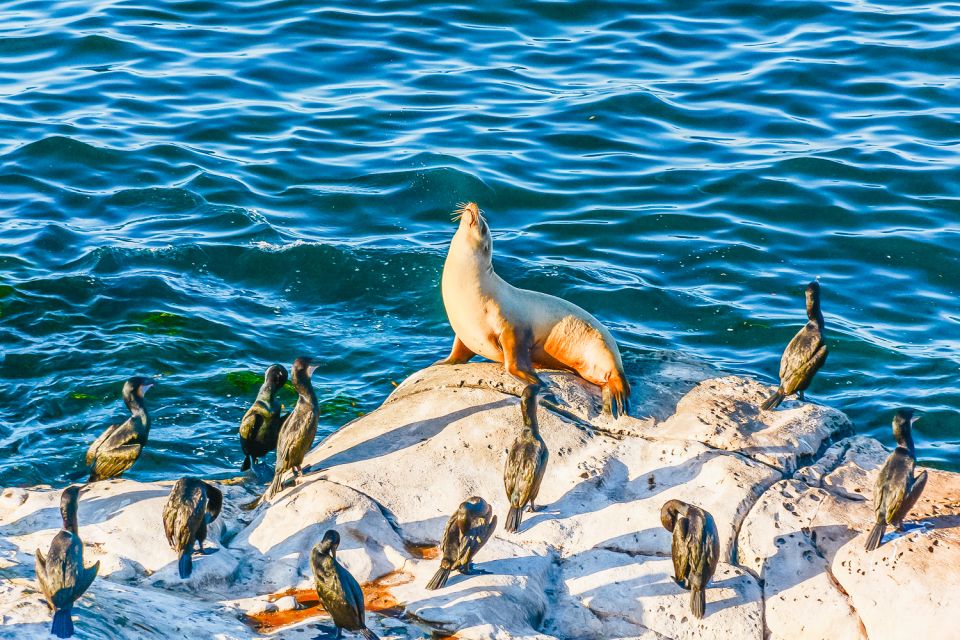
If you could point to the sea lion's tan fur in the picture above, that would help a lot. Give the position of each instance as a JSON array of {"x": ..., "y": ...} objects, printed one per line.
[{"x": 520, "y": 328}]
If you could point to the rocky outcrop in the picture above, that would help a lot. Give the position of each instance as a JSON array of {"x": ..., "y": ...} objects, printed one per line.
[{"x": 592, "y": 563}]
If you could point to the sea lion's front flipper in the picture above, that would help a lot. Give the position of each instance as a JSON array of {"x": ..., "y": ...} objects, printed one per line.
[
  {"x": 459, "y": 354},
  {"x": 516, "y": 357}
]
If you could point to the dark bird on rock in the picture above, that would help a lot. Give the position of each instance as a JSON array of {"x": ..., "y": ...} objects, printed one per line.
[
  {"x": 61, "y": 574},
  {"x": 193, "y": 504},
  {"x": 299, "y": 428},
  {"x": 467, "y": 530},
  {"x": 339, "y": 591},
  {"x": 526, "y": 462},
  {"x": 695, "y": 549},
  {"x": 897, "y": 490},
  {"x": 804, "y": 356},
  {"x": 260, "y": 426},
  {"x": 117, "y": 448}
]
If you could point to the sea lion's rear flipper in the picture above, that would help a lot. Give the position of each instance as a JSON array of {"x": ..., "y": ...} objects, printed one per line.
[
  {"x": 616, "y": 396},
  {"x": 459, "y": 353}
]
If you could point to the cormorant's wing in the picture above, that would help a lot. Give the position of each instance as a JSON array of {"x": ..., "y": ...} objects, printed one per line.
[
  {"x": 800, "y": 350},
  {"x": 352, "y": 592},
  {"x": 85, "y": 579},
  {"x": 111, "y": 462},
  {"x": 40, "y": 566},
  {"x": 894, "y": 487},
  {"x": 519, "y": 483},
  {"x": 450, "y": 542},
  {"x": 252, "y": 421},
  {"x": 92, "y": 449},
  {"x": 912, "y": 496},
  {"x": 488, "y": 530},
  {"x": 679, "y": 550},
  {"x": 214, "y": 501}
]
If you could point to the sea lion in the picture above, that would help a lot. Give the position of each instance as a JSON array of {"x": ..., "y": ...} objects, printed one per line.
[
  {"x": 467, "y": 530},
  {"x": 119, "y": 446},
  {"x": 695, "y": 549},
  {"x": 338, "y": 590},
  {"x": 804, "y": 355},
  {"x": 520, "y": 328},
  {"x": 192, "y": 505},
  {"x": 61, "y": 574},
  {"x": 526, "y": 462},
  {"x": 897, "y": 489}
]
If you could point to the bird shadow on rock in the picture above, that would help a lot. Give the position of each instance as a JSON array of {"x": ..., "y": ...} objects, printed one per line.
[
  {"x": 402, "y": 437},
  {"x": 613, "y": 485},
  {"x": 49, "y": 517}
]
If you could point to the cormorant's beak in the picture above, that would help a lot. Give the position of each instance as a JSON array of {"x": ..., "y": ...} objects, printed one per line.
[
  {"x": 913, "y": 420},
  {"x": 146, "y": 387},
  {"x": 311, "y": 369}
]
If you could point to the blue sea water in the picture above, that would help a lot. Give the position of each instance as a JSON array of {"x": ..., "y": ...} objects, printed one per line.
[{"x": 194, "y": 190}]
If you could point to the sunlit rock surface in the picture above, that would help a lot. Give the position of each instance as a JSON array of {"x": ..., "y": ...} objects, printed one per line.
[{"x": 593, "y": 563}]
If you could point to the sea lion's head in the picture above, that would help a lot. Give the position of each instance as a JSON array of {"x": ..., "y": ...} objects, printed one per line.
[{"x": 473, "y": 229}]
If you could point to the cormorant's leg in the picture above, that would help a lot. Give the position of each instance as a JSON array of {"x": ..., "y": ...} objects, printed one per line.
[
  {"x": 459, "y": 354},
  {"x": 339, "y": 633},
  {"x": 532, "y": 508},
  {"x": 800, "y": 396}
]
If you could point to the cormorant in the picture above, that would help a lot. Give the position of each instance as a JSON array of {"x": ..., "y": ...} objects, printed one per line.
[
  {"x": 299, "y": 428},
  {"x": 117, "y": 448},
  {"x": 260, "y": 426},
  {"x": 467, "y": 530},
  {"x": 339, "y": 591},
  {"x": 526, "y": 462},
  {"x": 62, "y": 576},
  {"x": 695, "y": 549},
  {"x": 897, "y": 490},
  {"x": 192, "y": 505},
  {"x": 804, "y": 356}
]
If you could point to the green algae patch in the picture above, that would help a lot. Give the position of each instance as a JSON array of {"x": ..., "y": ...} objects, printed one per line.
[
  {"x": 163, "y": 322},
  {"x": 244, "y": 381}
]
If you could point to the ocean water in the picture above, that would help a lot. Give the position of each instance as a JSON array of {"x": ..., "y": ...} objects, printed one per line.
[{"x": 194, "y": 190}]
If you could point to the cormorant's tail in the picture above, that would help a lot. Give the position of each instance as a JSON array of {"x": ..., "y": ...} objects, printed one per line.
[
  {"x": 514, "y": 516},
  {"x": 275, "y": 485},
  {"x": 773, "y": 401},
  {"x": 368, "y": 635},
  {"x": 876, "y": 535},
  {"x": 439, "y": 579},
  {"x": 185, "y": 566},
  {"x": 698, "y": 601},
  {"x": 246, "y": 463},
  {"x": 62, "y": 623}
]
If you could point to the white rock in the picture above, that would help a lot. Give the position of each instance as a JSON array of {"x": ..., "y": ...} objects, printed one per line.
[{"x": 592, "y": 563}]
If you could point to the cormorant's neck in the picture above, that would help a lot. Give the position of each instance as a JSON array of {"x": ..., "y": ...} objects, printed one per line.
[
  {"x": 135, "y": 404},
  {"x": 905, "y": 440},
  {"x": 70, "y": 522},
  {"x": 267, "y": 392},
  {"x": 813, "y": 310}
]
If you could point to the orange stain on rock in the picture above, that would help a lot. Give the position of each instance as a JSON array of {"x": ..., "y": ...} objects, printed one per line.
[
  {"x": 422, "y": 551},
  {"x": 376, "y": 597}
]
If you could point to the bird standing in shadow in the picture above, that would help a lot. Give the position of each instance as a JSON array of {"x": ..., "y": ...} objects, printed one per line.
[
  {"x": 695, "y": 549},
  {"x": 467, "y": 530},
  {"x": 804, "y": 356},
  {"x": 897, "y": 490},
  {"x": 260, "y": 426},
  {"x": 192, "y": 505},
  {"x": 119, "y": 446},
  {"x": 299, "y": 428},
  {"x": 526, "y": 462},
  {"x": 61, "y": 574},
  {"x": 338, "y": 590}
]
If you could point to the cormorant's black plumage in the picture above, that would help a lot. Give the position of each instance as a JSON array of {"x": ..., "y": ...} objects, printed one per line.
[
  {"x": 260, "y": 426},
  {"x": 897, "y": 489},
  {"x": 805, "y": 354},
  {"x": 467, "y": 530},
  {"x": 339, "y": 591},
  {"x": 119, "y": 446},
  {"x": 526, "y": 462},
  {"x": 61, "y": 574},
  {"x": 191, "y": 506},
  {"x": 299, "y": 428},
  {"x": 695, "y": 549}
]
